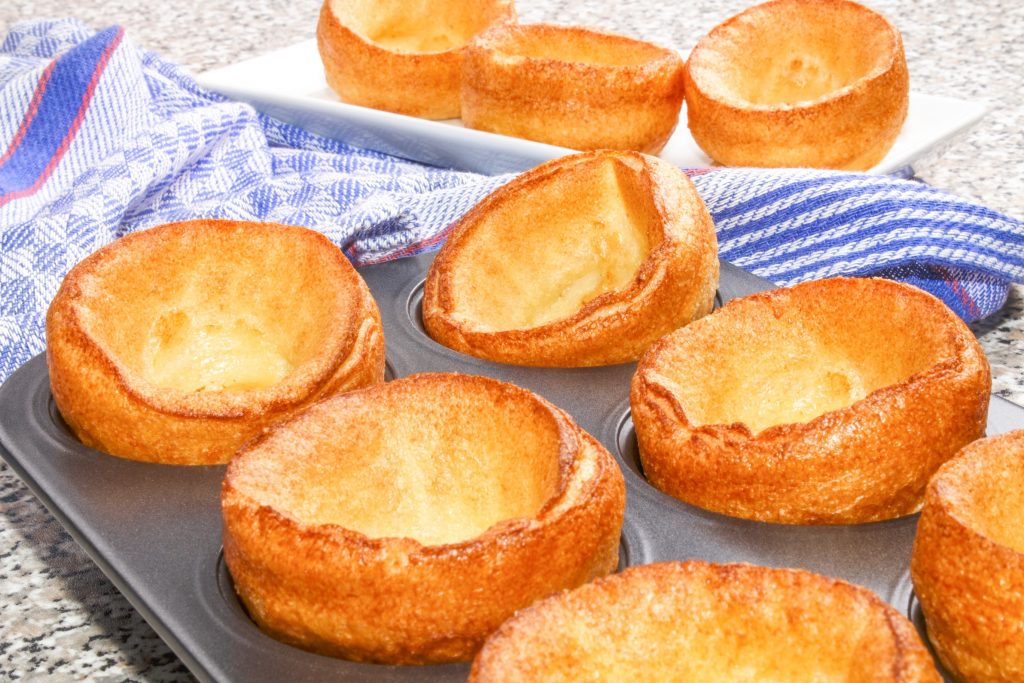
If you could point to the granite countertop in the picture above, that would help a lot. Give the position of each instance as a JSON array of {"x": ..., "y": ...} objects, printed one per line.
[{"x": 63, "y": 620}]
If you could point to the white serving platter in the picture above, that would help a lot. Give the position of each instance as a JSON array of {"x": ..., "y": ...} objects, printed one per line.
[{"x": 289, "y": 85}]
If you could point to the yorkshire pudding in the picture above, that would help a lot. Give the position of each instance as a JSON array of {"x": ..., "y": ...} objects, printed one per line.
[
  {"x": 404, "y": 56},
  {"x": 968, "y": 561},
  {"x": 694, "y": 621},
  {"x": 403, "y": 523},
  {"x": 831, "y": 402},
  {"x": 572, "y": 86},
  {"x": 180, "y": 343},
  {"x": 527, "y": 277},
  {"x": 819, "y": 83}
]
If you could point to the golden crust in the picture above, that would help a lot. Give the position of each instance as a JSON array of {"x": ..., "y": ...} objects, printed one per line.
[
  {"x": 695, "y": 621},
  {"x": 402, "y": 56},
  {"x": 968, "y": 561},
  {"x": 636, "y": 230},
  {"x": 819, "y": 83},
  {"x": 428, "y": 452},
  {"x": 121, "y": 327},
  {"x": 831, "y": 402},
  {"x": 571, "y": 86}
]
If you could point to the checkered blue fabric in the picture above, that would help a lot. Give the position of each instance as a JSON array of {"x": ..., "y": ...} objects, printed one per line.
[{"x": 99, "y": 138}]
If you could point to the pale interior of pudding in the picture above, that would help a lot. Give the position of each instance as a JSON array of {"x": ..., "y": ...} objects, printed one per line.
[
  {"x": 215, "y": 316},
  {"x": 787, "y": 53},
  {"x": 737, "y": 634},
  {"x": 416, "y": 25},
  {"x": 569, "y": 46},
  {"x": 815, "y": 356},
  {"x": 541, "y": 256},
  {"x": 436, "y": 466},
  {"x": 990, "y": 497},
  {"x": 203, "y": 352}
]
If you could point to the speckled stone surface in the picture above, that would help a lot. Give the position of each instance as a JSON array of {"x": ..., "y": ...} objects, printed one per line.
[{"x": 63, "y": 620}]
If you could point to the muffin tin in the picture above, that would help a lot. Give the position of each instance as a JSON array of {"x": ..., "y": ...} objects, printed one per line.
[{"x": 155, "y": 530}]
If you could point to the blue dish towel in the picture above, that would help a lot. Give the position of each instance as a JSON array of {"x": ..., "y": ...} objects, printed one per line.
[{"x": 99, "y": 138}]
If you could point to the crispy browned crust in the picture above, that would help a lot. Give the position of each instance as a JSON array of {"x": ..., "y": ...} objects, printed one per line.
[
  {"x": 851, "y": 128},
  {"x": 569, "y": 103},
  {"x": 696, "y": 621},
  {"x": 971, "y": 587},
  {"x": 868, "y": 461},
  {"x": 675, "y": 284},
  {"x": 423, "y": 84},
  {"x": 336, "y": 591},
  {"x": 110, "y": 406}
]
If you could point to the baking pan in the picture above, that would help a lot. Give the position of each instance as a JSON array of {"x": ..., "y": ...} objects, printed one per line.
[{"x": 155, "y": 530}]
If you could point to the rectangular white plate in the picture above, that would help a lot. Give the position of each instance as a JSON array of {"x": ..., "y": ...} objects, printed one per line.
[{"x": 289, "y": 85}]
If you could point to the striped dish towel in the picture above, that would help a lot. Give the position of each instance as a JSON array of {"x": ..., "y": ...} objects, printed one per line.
[{"x": 99, "y": 138}]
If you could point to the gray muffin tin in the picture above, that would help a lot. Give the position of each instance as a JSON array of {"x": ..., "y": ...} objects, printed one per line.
[{"x": 155, "y": 530}]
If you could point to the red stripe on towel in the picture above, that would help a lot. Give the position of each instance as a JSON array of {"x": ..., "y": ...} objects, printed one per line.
[
  {"x": 75, "y": 125},
  {"x": 33, "y": 107}
]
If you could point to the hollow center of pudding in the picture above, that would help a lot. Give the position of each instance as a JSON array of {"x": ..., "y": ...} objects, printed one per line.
[
  {"x": 189, "y": 353},
  {"x": 991, "y": 498},
  {"x": 437, "y": 463},
  {"x": 217, "y": 311},
  {"x": 551, "y": 43},
  {"x": 798, "y": 386},
  {"x": 542, "y": 255},
  {"x": 799, "y": 357},
  {"x": 739, "y": 633},
  {"x": 416, "y": 26},
  {"x": 786, "y": 53}
]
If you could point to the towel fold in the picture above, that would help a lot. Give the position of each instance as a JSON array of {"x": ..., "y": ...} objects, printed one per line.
[{"x": 99, "y": 138}]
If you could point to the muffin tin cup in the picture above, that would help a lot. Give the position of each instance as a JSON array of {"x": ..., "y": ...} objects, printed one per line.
[{"x": 155, "y": 530}]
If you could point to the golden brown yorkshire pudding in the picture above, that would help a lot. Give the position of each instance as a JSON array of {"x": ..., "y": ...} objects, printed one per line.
[
  {"x": 968, "y": 561},
  {"x": 831, "y": 402},
  {"x": 572, "y": 86},
  {"x": 180, "y": 343},
  {"x": 403, "y": 523},
  {"x": 581, "y": 261},
  {"x": 404, "y": 56},
  {"x": 694, "y": 621},
  {"x": 819, "y": 83}
]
